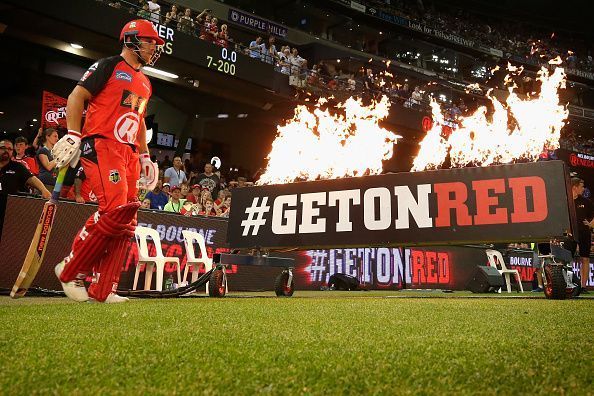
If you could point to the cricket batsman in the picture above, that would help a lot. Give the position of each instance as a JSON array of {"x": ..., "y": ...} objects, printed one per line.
[{"x": 113, "y": 152}]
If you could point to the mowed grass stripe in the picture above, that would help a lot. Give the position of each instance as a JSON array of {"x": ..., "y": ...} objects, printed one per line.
[{"x": 340, "y": 345}]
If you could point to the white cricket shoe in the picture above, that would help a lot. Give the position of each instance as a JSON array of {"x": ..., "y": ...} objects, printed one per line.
[
  {"x": 114, "y": 299},
  {"x": 74, "y": 290}
]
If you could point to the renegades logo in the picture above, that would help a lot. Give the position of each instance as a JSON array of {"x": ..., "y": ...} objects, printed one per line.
[
  {"x": 583, "y": 160},
  {"x": 126, "y": 128}
]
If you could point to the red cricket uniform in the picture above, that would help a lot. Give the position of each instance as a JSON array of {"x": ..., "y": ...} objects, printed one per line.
[
  {"x": 109, "y": 145},
  {"x": 29, "y": 163},
  {"x": 109, "y": 151}
]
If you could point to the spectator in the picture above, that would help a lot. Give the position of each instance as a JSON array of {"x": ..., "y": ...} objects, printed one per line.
[
  {"x": 297, "y": 62},
  {"x": 167, "y": 189},
  {"x": 144, "y": 12},
  {"x": 415, "y": 98},
  {"x": 155, "y": 10},
  {"x": 175, "y": 175},
  {"x": 172, "y": 17},
  {"x": 188, "y": 167},
  {"x": 204, "y": 195},
  {"x": 185, "y": 190},
  {"x": 223, "y": 208},
  {"x": 158, "y": 197},
  {"x": 186, "y": 25},
  {"x": 208, "y": 209},
  {"x": 190, "y": 209},
  {"x": 208, "y": 180},
  {"x": 221, "y": 197},
  {"x": 256, "y": 48},
  {"x": 194, "y": 196},
  {"x": 204, "y": 27},
  {"x": 45, "y": 160},
  {"x": 314, "y": 75},
  {"x": 212, "y": 30},
  {"x": 201, "y": 20},
  {"x": 146, "y": 204},
  {"x": 284, "y": 60},
  {"x": 222, "y": 181},
  {"x": 82, "y": 188},
  {"x": 241, "y": 182},
  {"x": 269, "y": 51},
  {"x": 14, "y": 177},
  {"x": 20, "y": 155},
  {"x": 173, "y": 14},
  {"x": 223, "y": 36},
  {"x": 166, "y": 162},
  {"x": 176, "y": 202}
]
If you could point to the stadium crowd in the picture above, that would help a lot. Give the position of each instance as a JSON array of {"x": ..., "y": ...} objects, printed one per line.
[
  {"x": 532, "y": 44},
  {"x": 181, "y": 188},
  {"x": 373, "y": 79}
]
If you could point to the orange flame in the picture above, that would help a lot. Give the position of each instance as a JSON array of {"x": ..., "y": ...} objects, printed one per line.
[
  {"x": 319, "y": 145},
  {"x": 535, "y": 126}
]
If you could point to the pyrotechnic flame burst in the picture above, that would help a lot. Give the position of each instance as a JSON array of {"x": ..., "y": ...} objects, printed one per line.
[
  {"x": 520, "y": 129},
  {"x": 320, "y": 145}
]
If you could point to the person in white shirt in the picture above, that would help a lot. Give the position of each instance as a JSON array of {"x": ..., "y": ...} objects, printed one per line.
[
  {"x": 283, "y": 58},
  {"x": 175, "y": 175},
  {"x": 155, "y": 10},
  {"x": 297, "y": 62},
  {"x": 256, "y": 48}
]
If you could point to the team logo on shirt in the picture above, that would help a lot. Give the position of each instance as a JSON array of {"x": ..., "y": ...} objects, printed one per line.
[
  {"x": 126, "y": 128},
  {"x": 133, "y": 101},
  {"x": 114, "y": 176},
  {"x": 122, "y": 75}
]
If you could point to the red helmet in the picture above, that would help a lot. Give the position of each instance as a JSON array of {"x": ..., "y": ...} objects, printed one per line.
[{"x": 141, "y": 28}]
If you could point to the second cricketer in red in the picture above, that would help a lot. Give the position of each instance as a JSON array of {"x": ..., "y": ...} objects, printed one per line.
[{"x": 113, "y": 152}]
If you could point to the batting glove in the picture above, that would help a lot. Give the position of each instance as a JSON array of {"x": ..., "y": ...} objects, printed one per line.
[
  {"x": 67, "y": 150},
  {"x": 149, "y": 170}
]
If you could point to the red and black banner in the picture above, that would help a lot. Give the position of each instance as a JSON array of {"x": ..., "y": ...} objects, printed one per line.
[
  {"x": 53, "y": 111},
  {"x": 442, "y": 267},
  {"x": 507, "y": 203}
]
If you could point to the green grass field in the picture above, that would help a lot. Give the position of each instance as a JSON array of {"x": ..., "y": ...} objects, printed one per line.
[{"x": 319, "y": 343}]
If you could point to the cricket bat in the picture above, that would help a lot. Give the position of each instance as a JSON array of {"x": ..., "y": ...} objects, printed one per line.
[{"x": 38, "y": 245}]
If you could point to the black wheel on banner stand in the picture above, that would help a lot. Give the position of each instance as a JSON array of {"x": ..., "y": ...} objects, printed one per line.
[
  {"x": 217, "y": 284},
  {"x": 284, "y": 284},
  {"x": 555, "y": 284}
]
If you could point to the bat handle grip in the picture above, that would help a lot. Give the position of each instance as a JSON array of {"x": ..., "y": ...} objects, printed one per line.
[{"x": 59, "y": 181}]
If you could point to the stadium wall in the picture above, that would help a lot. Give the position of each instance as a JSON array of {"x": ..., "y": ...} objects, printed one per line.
[{"x": 377, "y": 268}]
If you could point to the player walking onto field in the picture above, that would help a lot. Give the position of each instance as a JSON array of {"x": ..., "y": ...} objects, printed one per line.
[{"x": 113, "y": 152}]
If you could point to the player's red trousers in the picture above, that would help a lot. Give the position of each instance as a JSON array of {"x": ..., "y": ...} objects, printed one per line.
[{"x": 113, "y": 170}]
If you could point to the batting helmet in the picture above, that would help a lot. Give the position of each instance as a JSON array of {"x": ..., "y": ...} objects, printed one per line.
[{"x": 141, "y": 28}]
